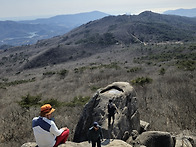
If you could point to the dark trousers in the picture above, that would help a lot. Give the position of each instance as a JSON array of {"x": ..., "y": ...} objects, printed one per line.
[
  {"x": 109, "y": 118},
  {"x": 98, "y": 142}
]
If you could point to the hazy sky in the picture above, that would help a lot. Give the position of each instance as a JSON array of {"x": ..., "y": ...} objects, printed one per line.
[{"x": 22, "y": 8}]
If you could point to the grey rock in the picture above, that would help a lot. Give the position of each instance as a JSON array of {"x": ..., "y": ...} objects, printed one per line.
[
  {"x": 29, "y": 144},
  {"x": 125, "y": 136},
  {"x": 155, "y": 139},
  {"x": 131, "y": 139},
  {"x": 183, "y": 142},
  {"x": 106, "y": 143},
  {"x": 144, "y": 126},
  {"x": 127, "y": 119}
]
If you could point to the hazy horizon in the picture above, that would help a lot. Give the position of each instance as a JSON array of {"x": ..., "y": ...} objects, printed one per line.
[{"x": 25, "y": 9}]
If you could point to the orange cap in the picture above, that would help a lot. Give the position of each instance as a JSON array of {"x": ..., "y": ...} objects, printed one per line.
[{"x": 47, "y": 108}]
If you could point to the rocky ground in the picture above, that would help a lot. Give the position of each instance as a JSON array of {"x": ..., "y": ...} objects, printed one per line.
[{"x": 106, "y": 143}]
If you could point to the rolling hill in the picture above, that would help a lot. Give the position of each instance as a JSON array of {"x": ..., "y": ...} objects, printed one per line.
[
  {"x": 96, "y": 36},
  {"x": 69, "y": 20},
  {"x": 182, "y": 12},
  {"x": 29, "y": 32}
]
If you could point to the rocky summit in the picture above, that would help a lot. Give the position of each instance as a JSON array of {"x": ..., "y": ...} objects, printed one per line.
[
  {"x": 127, "y": 117},
  {"x": 127, "y": 130}
]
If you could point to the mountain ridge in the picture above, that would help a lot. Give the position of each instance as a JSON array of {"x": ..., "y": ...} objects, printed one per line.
[
  {"x": 99, "y": 35},
  {"x": 182, "y": 12},
  {"x": 12, "y": 32},
  {"x": 69, "y": 20}
]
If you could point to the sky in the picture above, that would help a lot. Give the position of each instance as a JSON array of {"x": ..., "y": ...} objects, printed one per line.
[{"x": 24, "y": 9}]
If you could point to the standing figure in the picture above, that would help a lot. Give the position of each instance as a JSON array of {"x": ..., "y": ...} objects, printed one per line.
[
  {"x": 45, "y": 130},
  {"x": 112, "y": 109},
  {"x": 95, "y": 135}
]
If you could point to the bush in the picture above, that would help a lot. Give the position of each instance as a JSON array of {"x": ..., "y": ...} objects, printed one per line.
[
  {"x": 134, "y": 69},
  {"x": 189, "y": 65},
  {"x": 94, "y": 88},
  {"x": 49, "y": 73},
  {"x": 162, "y": 71},
  {"x": 28, "y": 101},
  {"x": 141, "y": 81},
  {"x": 63, "y": 72},
  {"x": 16, "y": 82},
  {"x": 78, "y": 101},
  {"x": 52, "y": 102}
]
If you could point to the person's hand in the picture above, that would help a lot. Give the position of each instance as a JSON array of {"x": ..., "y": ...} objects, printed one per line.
[{"x": 65, "y": 128}]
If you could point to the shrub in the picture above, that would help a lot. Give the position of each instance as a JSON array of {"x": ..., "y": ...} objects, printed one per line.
[
  {"x": 52, "y": 102},
  {"x": 113, "y": 65},
  {"x": 49, "y": 73},
  {"x": 192, "y": 47},
  {"x": 78, "y": 101},
  {"x": 162, "y": 71},
  {"x": 16, "y": 82},
  {"x": 94, "y": 88},
  {"x": 189, "y": 65},
  {"x": 134, "y": 69},
  {"x": 28, "y": 101},
  {"x": 63, "y": 72},
  {"x": 141, "y": 81}
]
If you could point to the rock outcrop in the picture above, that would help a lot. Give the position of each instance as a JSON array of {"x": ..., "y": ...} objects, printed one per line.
[
  {"x": 146, "y": 139},
  {"x": 160, "y": 139},
  {"x": 106, "y": 143},
  {"x": 127, "y": 130},
  {"x": 127, "y": 119},
  {"x": 185, "y": 140},
  {"x": 155, "y": 139}
]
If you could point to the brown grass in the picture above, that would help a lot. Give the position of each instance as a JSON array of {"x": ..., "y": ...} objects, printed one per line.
[{"x": 168, "y": 103}]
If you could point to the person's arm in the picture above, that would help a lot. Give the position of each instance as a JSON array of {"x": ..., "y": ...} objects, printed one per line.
[
  {"x": 54, "y": 130},
  {"x": 108, "y": 108},
  {"x": 116, "y": 109},
  {"x": 101, "y": 133},
  {"x": 89, "y": 135}
]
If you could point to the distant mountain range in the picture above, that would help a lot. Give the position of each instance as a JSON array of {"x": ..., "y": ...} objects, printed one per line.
[
  {"x": 18, "y": 33},
  {"x": 182, "y": 12},
  {"x": 122, "y": 30}
]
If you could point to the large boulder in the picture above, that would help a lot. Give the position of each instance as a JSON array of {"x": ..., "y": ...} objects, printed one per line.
[
  {"x": 185, "y": 141},
  {"x": 127, "y": 119},
  {"x": 155, "y": 139}
]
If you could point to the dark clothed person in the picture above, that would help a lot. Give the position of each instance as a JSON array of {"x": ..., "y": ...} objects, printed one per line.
[
  {"x": 95, "y": 135},
  {"x": 111, "y": 112}
]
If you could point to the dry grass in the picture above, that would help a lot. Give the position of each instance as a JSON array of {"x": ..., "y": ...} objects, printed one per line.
[{"x": 168, "y": 103}]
